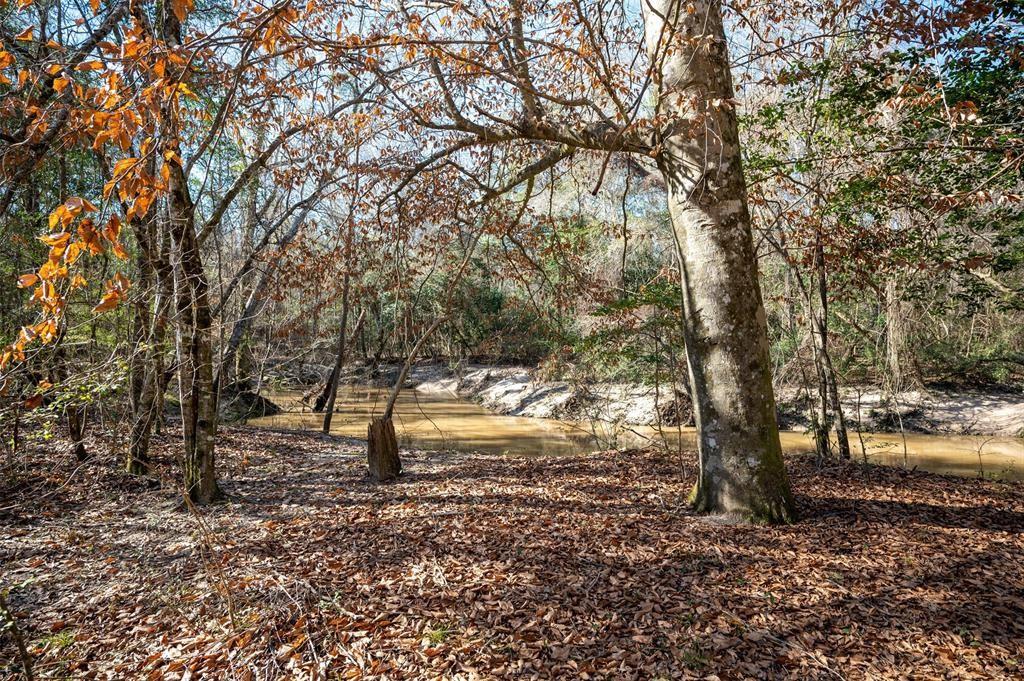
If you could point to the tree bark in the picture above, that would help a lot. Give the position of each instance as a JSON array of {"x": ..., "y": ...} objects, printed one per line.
[
  {"x": 149, "y": 333},
  {"x": 326, "y": 400},
  {"x": 725, "y": 331},
  {"x": 194, "y": 318},
  {"x": 143, "y": 298},
  {"x": 76, "y": 429},
  {"x": 821, "y": 420},
  {"x": 896, "y": 354},
  {"x": 838, "y": 421},
  {"x": 140, "y": 370},
  {"x": 819, "y": 410},
  {"x": 195, "y": 360},
  {"x": 382, "y": 450},
  {"x": 148, "y": 406}
]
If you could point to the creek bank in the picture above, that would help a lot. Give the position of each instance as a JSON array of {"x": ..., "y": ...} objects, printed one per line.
[
  {"x": 242, "y": 401},
  {"x": 516, "y": 391},
  {"x": 519, "y": 391},
  {"x": 936, "y": 410}
]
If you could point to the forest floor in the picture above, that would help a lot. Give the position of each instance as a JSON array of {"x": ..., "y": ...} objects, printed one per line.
[{"x": 503, "y": 568}]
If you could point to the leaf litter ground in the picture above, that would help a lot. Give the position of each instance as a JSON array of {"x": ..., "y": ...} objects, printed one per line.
[{"x": 497, "y": 567}]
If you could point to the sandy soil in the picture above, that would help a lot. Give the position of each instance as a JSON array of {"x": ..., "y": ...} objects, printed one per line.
[{"x": 515, "y": 391}]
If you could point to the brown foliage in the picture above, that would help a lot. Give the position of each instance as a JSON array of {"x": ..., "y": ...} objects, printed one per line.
[{"x": 490, "y": 567}]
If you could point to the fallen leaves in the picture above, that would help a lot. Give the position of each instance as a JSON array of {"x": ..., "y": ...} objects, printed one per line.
[{"x": 489, "y": 567}]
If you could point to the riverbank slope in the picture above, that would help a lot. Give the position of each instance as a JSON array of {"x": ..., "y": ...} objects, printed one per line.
[
  {"x": 517, "y": 391},
  {"x": 520, "y": 391}
]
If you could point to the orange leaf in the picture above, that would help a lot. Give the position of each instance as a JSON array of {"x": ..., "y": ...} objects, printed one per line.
[
  {"x": 50, "y": 270},
  {"x": 57, "y": 252},
  {"x": 110, "y": 300},
  {"x": 26, "y": 280},
  {"x": 26, "y": 35},
  {"x": 57, "y": 239},
  {"x": 113, "y": 228},
  {"x": 77, "y": 204},
  {"x": 57, "y": 216},
  {"x": 123, "y": 166},
  {"x": 73, "y": 252},
  {"x": 181, "y": 8}
]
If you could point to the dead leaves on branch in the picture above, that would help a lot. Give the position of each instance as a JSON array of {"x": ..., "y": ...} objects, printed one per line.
[{"x": 54, "y": 279}]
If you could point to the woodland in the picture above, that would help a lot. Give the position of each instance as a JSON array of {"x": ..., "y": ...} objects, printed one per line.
[{"x": 511, "y": 339}]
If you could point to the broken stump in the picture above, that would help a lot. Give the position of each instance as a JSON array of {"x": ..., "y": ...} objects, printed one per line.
[{"x": 382, "y": 450}]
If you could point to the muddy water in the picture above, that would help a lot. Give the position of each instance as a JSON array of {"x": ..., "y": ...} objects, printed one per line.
[{"x": 434, "y": 421}]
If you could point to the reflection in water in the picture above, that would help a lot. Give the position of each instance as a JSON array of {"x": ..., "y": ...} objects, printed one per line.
[{"x": 434, "y": 421}]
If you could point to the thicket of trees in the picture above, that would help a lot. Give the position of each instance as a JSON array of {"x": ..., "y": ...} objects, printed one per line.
[{"x": 819, "y": 192}]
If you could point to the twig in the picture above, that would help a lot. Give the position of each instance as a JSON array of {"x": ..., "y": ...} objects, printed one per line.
[{"x": 12, "y": 624}]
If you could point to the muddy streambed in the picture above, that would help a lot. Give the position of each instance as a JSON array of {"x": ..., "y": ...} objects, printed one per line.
[{"x": 444, "y": 421}]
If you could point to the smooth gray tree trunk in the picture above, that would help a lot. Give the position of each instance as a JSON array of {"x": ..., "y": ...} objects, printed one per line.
[{"x": 741, "y": 467}]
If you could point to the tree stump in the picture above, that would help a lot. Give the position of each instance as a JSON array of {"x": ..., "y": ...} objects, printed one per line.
[
  {"x": 76, "y": 429},
  {"x": 382, "y": 450}
]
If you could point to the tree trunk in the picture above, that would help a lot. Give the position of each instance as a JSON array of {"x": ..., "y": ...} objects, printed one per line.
[
  {"x": 143, "y": 298},
  {"x": 381, "y": 439},
  {"x": 74, "y": 414},
  {"x": 195, "y": 372},
  {"x": 831, "y": 379},
  {"x": 149, "y": 403},
  {"x": 150, "y": 331},
  {"x": 140, "y": 369},
  {"x": 819, "y": 410},
  {"x": 382, "y": 449},
  {"x": 76, "y": 429},
  {"x": 725, "y": 331},
  {"x": 165, "y": 375},
  {"x": 194, "y": 318},
  {"x": 330, "y": 393},
  {"x": 821, "y": 420},
  {"x": 326, "y": 400}
]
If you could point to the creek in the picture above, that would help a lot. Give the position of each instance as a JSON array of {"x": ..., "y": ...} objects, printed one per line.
[{"x": 434, "y": 421}]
